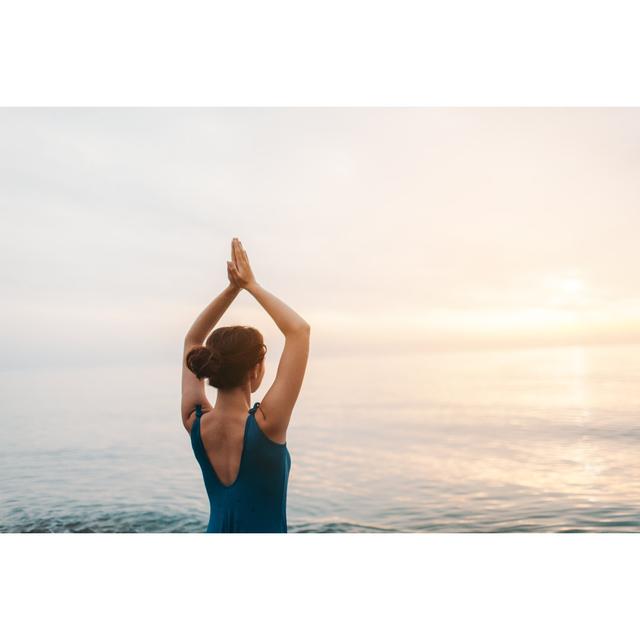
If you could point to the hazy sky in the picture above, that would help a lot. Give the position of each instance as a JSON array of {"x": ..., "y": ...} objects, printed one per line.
[{"x": 385, "y": 228}]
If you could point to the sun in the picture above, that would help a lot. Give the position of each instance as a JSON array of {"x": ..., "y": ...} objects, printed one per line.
[
  {"x": 571, "y": 285},
  {"x": 567, "y": 289}
]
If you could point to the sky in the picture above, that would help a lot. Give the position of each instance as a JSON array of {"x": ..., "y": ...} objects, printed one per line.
[{"x": 389, "y": 230}]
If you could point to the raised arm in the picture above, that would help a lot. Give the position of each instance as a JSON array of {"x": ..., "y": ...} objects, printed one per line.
[
  {"x": 193, "y": 389},
  {"x": 204, "y": 324},
  {"x": 279, "y": 401}
]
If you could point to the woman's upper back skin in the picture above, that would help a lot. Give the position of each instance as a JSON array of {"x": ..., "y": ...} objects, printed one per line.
[{"x": 223, "y": 440}]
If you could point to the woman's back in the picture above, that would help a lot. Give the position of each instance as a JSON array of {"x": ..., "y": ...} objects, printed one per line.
[{"x": 255, "y": 499}]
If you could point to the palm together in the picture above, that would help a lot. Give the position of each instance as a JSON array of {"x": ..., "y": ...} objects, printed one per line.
[{"x": 239, "y": 269}]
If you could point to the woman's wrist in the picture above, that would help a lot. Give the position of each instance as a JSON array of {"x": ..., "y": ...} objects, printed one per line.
[{"x": 252, "y": 286}]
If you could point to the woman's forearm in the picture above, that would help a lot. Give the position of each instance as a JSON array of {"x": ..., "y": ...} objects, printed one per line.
[
  {"x": 208, "y": 319},
  {"x": 285, "y": 317}
]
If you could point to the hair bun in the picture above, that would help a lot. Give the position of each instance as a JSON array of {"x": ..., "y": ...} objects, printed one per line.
[{"x": 204, "y": 362}]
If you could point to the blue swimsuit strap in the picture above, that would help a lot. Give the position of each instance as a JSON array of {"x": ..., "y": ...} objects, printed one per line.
[{"x": 254, "y": 408}]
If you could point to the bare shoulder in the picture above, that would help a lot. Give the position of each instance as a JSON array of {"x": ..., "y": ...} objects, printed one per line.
[
  {"x": 190, "y": 417},
  {"x": 273, "y": 432}
]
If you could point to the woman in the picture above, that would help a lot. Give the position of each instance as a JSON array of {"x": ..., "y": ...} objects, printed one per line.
[{"x": 242, "y": 451}]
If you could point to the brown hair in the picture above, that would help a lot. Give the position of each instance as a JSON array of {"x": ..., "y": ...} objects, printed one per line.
[{"x": 227, "y": 356}]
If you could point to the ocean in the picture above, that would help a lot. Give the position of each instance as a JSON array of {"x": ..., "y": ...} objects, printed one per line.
[{"x": 544, "y": 440}]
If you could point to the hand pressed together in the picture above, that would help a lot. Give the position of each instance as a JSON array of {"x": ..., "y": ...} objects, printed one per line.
[{"x": 239, "y": 269}]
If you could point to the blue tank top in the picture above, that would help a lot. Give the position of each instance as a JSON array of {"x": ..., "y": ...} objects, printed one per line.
[{"x": 256, "y": 502}]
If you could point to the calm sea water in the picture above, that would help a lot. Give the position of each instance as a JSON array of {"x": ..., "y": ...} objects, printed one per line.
[{"x": 535, "y": 440}]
